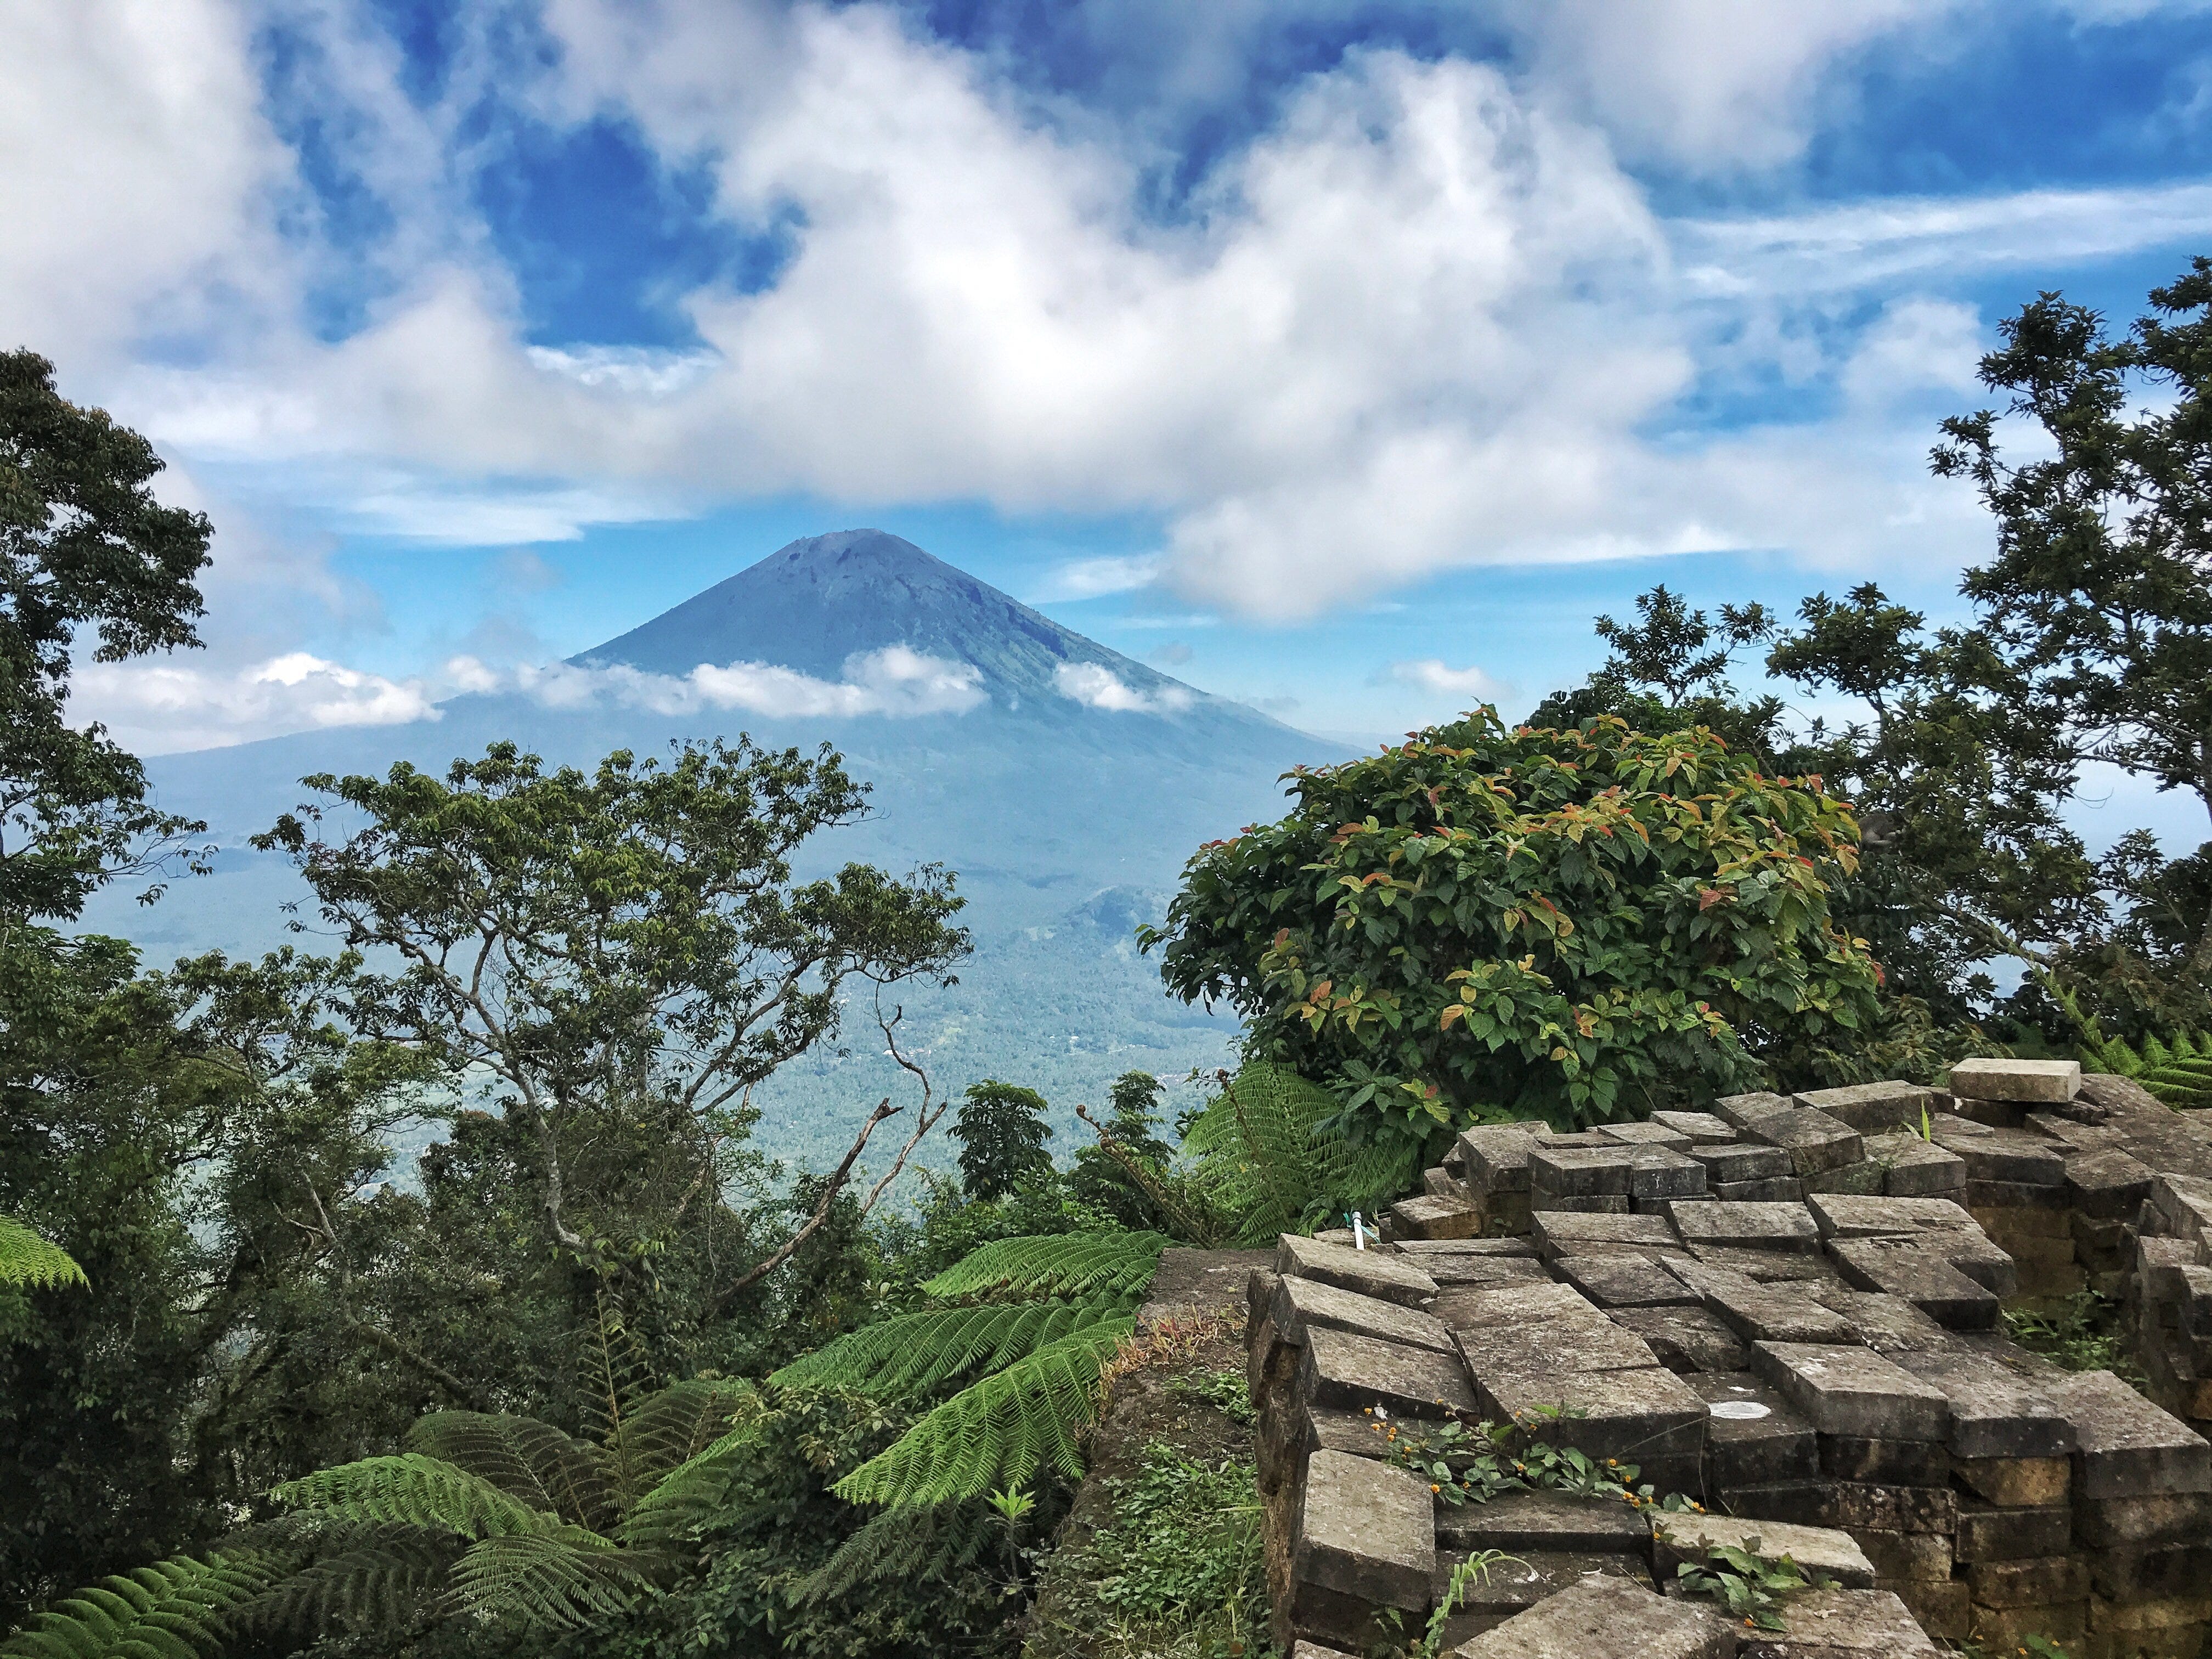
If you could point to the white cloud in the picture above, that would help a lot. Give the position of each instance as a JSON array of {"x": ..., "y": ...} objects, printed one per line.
[
  {"x": 164, "y": 705},
  {"x": 1430, "y": 674},
  {"x": 1091, "y": 579},
  {"x": 1096, "y": 686},
  {"x": 895, "y": 681}
]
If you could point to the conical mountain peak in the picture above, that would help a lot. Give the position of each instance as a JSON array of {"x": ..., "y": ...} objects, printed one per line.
[{"x": 823, "y": 601}]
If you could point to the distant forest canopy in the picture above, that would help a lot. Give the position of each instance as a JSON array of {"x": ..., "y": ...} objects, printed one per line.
[{"x": 601, "y": 1382}]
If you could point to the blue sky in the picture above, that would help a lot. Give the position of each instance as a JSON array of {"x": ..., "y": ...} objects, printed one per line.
[{"x": 1343, "y": 357}]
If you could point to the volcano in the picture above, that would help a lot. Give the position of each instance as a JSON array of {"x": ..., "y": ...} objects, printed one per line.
[{"x": 1064, "y": 783}]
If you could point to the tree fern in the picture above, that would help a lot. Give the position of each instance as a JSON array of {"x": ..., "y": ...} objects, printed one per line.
[
  {"x": 934, "y": 1541},
  {"x": 2180, "y": 1073},
  {"x": 1268, "y": 1153},
  {"x": 912, "y": 1353},
  {"x": 534, "y": 1461},
  {"x": 419, "y": 1491},
  {"x": 1054, "y": 1264},
  {"x": 567, "y": 1579},
  {"x": 372, "y": 1580},
  {"x": 28, "y": 1260},
  {"x": 615, "y": 1375},
  {"x": 998, "y": 1431},
  {"x": 667, "y": 1429},
  {"x": 175, "y": 1609},
  {"x": 690, "y": 1493}
]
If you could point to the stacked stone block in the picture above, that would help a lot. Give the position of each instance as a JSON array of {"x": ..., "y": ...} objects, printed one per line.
[{"x": 1831, "y": 1362}]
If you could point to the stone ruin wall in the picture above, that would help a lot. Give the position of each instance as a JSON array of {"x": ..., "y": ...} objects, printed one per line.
[{"x": 1832, "y": 1281}]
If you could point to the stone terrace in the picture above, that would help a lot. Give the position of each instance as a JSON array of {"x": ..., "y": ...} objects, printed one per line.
[{"x": 1788, "y": 1310}]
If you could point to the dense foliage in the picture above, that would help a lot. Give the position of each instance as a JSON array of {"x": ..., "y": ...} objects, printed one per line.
[{"x": 1584, "y": 924}]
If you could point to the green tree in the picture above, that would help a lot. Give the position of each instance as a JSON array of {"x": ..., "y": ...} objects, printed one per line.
[
  {"x": 1001, "y": 1129},
  {"x": 1125, "y": 1172},
  {"x": 1585, "y": 924}
]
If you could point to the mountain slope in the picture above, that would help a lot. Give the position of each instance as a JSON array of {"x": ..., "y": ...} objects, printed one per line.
[{"x": 1065, "y": 820}]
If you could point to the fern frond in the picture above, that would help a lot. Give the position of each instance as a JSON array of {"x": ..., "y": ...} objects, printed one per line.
[
  {"x": 912, "y": 1353},
  {"x": 691, "y": 1494},
  {"x": 570, "y": 1579},
  {"x": 1267, "y": 1152},
  {"x": 668, "y": 1429},
  {"x": 372, "y": 1579},
  {"x": 28, "y": 1260},
  {"x": 1056, "y": 1264},
  {"x": 2181, "y": 1084},
  {"x": 615, "y": 1375},
  {"x": 926, "y": 1544},
  {"x": 417, "y": 1491},
  {"x": 534, "y": 1461},
  {"x": 997, "y": 1430},
  {"x": 174, "y": 1609}
]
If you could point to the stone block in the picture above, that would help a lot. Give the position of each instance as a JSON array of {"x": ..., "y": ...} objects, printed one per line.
[
  {"x": 1369, "y": 1272},
  {"x": 2018, "y": 1206},
  {"x": 2165, "y": 1613},
  {"x": 1510, "y": 1587},
  {"x": 1842, "y": 1624},
  {"x": 1660, "y": 1173},
  {"x": 1887, "y": 1324},
  {"x": 1315, "y": 1651},
  {"x": 1913, "y": 1167},
  {"x": 1741, "y": 1160},
  {"x": 1558, "y": 1234},
  {"x": 1536, "y": 1304},
  {"x": 1441, "y": 1182},
  {"x": 1652, "y": 1133},
  {"x": 1736, "y": 1110},
  {"x": 1857, "y": 1506},
  {"x": 2109, "y": 1186},
  {"x": 1684, "y": 1338},
  {"x": 1941, "y": 1609},
  {"x": 1496, "y": 1157},
  {"x": 1589, "y": 1342},
  {"x": 1870, "y": 1108},
  {"x": 1543, "y": 1203},
  {"x": 1625, "y": 1282},
  {"x": 1916, "y": 1272},
  {"x": 1424, "y": 1253},
  {"x": 1997, "y": 1411},
  {"x": 1606, "y": 1616},
  {"x": 1894, "y": 1462},
  {"x": 1436, "y": 1217},
  {"x": 1753, "y": 1437},
  {"x": 2152, "y": 1575},
  {"x": 1762, "y": 1313},
  {"x": 1907, "y": 1558},
  {"x": 2126, "y": 1447},
  {"x": 2183, "y": 1204},
  {"x": 1988, "y": 1533},
  {"x": 1300, "y": 1303},
  {"x": 1861, "y": 1177},
  {"x": 2013, "y": 1157},
  {"x": 1768, "y": 1267},
  {"x": 1518, "y": 1521},
  {"x": 2034, "y": 1082},
  {"x": 1337, "y": 1429},
  {"x": 1853, "y": 1391},
  {"x": 1459, "y": 1271},
  {"x": 1354, "y": 1372},
  {"x": 1366, "y": 1530},
  {"x": 1771, "y": 1189},
  {"x": 1678, "y": 1538},
  {"x": 1581, "y": 1171},
  {"x": 2033, "y": 1581},
  {"x": 1636, "y": 1416},
  {"x": 1748, "y": 1226},
  {"x": 1852, "y": 1215},
  {"x": 1814, "y": 1140},
  {"x": 2007, "y": 1629},
  {"x": 1698, "y": 1128},
  {"x": 2144, "y": 1523},
  {"x": 2016, "y": 1482}
]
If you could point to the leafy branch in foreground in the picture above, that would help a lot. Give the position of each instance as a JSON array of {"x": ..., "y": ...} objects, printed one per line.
[
  {"x": 34, "y": 1262},
  {"x": 1270, "y": 1152},
  {"x": 174, "y": 1609}
]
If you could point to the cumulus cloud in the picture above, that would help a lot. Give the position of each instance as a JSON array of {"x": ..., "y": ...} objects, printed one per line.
[
  {"x": 162, "y": 706},
  {"x": 895, "y": 681},
  {"x": 1096, "y": 686},
  {"x": 1430, "y": 674}
]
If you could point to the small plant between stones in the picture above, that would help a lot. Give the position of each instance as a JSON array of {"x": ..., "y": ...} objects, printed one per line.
[
  {"x": 1751, "y": 1586},
  {"x": 1473, "y": 1463},
  {"x": 2083, "y": 1333}
]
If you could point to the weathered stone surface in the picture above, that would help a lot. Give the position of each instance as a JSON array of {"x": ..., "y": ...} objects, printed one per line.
[
  {"x": 2012, "y": 1158},
  {"x": 1737, "y": 1110},
  {"x": 1518, "y": 1521},
  {"x": 1864, "y": 1177},
  {"x": 1299, "y": 1303},
  {"x": 1850, "y": 1215},
  {"x": 1913, "y": 1167},
  {"x": 1544, "y": 1203},
  {"x": 1902, "y": 1558},
  {"x": 1354, "y": 1372},
  {"x": 1772, "y": 1189},
  {"x": 1997, "y": 1411},
  {"x": 1365, "y": 1530},
  {"x": 1337, "y": 1429},
  {"x": 2035, "y": 1582},
  {"x": 1678, "y": 1538},
  {"x": 2031, "y": 1081},
  {"x": 1855, "y": 1506},
  {"x": 1425, "y": 1252},
  {"x": 1842, "y": 1624},
  {"x": 1889, "y": 1462},
  {"x": 1581, "y": 1171},
  {"x": 1762, "y": 1313},
  {"x": 2126, "y": 1447},
  {"x": 2108, "y": 1185},
  {"x": 1916, "y": 1271},
  {"x": 1371, "y": 1272},
  {"x": 1685, "y": 1340},
  {"x": 1495, "y": 1157},
  {"x": 1625, "y": 1282},
  {"x": 1814, "y": 1140},
  {"x": 1699, "y": 1129},
  {"x": 1315, "y": 1651},
  {"x": 1742, "y": 1450},
  {"x": 1768, "y": 1267},
  {"x": 1652, "y": 1133},
  {"x": 1436, "y": 1217},
  {"x": 1563, "y": 1233},
  {"x": 1536, "y": 1304},
  {"x": 1941, "y": 1608},
  {"x": 1869, "y": 1107},
  {"x": 2016, "y": 1482},
  {"x": 1452, "y": 1272},
  {"x": 1752, "y": 1226},
  {"x": 2145, "y": 1575},
  {"x": 1605, "y": 1616},
  {"x": 2007, "y": 1629},
  {"x": 1887, "y": 1324},
  {"x": 1511, "y": 1587},
  {"x": 1441, "y": 1182},
  {"x": 2144, "y": 1523},
  {"x": 1660, "y": 1173},
  {"x": 1988, "y": 1533},
  {"x": 1590, "y": 1342},
  {"x": 1637, "y": 1416},
  {"x": 1733, "y": 1161},
  {"x": 1853, "y": 1391}
]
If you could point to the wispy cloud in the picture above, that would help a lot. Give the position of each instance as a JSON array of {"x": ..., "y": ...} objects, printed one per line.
[
  {"x": 895, "y": 681},
  {"x": 1096, "y": 686},
  {"x": 1091, "y": 579},
  {"x": 1431, "y": 675}
]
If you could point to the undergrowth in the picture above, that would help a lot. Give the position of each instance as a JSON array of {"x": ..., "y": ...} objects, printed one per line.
[{"x": 2084, "y": 1332}]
